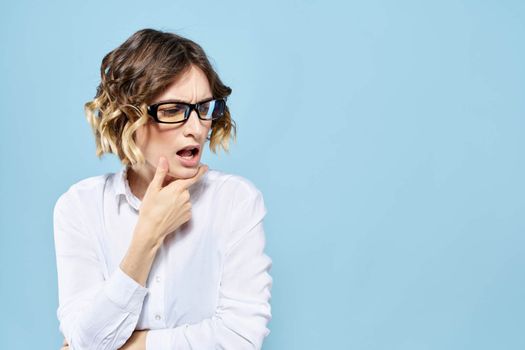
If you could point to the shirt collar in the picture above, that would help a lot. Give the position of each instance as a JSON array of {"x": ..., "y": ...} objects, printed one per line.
[{"x": 122, "y": 188}]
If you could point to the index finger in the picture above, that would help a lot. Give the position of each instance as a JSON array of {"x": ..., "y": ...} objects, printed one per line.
[{"x": 185, "y": 183}]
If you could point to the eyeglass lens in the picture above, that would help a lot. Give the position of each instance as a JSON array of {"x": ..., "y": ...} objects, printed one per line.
[{"x": 176, "y": 112}]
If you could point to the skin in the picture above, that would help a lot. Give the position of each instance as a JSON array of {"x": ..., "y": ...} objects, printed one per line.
[
  {"x": 162, "y": 182},
  {"x": 156, "y": 139}
]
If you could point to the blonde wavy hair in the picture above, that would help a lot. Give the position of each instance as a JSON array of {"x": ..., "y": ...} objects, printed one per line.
[{"x": 132, "y": 75}]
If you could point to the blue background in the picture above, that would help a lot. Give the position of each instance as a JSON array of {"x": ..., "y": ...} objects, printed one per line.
[{"x": 386, "y": 137}]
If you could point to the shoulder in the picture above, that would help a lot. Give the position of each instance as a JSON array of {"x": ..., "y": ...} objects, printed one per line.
[
  {"x": 232, "y": 186},
  {"x": 237, "y": 202},
  {"x": 238, "y": 196},
  {"x": 83, "y": 191}
]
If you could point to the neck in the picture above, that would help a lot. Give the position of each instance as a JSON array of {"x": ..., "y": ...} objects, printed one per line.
[{"x": 138, "y": 180}]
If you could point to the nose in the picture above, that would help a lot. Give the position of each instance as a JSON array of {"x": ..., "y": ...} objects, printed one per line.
[{"x": 194, "y": 125}]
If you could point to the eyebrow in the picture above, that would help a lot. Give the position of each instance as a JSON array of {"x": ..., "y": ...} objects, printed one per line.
[{"x": 183, "y": 101}]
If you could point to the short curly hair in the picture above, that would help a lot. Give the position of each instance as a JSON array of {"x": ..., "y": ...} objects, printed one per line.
[{"x": 132, "y": 75}]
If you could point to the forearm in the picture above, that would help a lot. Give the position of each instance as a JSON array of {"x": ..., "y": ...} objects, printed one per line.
[
  {"x": 104, "y": 316},
  {"x": 141, "y": 253},
  {"x": 114, "y": 311}
]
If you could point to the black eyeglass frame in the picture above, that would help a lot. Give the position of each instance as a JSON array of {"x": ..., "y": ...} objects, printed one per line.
[{"x": 153, "y": 109}]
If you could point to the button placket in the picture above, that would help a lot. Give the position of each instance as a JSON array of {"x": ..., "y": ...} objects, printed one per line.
[{"x": 158, "y": 309}]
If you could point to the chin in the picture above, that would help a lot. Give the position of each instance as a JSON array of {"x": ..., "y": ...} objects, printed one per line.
[
  {"x": 182, "y": 173},
  {"x": 170, "y": 177}
]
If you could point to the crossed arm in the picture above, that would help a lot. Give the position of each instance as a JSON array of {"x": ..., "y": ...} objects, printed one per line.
[
  {"x": 137, "y": 341},
  {"x": 239, "y": 322}
]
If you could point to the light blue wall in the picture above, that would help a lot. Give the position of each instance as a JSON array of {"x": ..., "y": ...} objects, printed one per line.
[{"x": 386, "y": 136}]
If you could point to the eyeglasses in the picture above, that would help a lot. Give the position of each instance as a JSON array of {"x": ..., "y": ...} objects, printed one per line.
[{"x": 171, "y": 112}]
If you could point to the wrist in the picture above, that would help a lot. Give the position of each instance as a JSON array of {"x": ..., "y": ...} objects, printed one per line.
[{"x": 147, "y": 236}]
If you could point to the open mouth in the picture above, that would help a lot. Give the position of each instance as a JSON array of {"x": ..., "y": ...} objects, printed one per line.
[{"x": 188, "y": 153}]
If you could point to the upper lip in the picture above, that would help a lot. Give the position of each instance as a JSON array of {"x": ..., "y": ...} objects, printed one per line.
[{"x": 190, "y": 147}]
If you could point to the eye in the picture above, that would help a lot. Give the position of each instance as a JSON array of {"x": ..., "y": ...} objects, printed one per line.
[
  {"x": 171, "y": 109},
  {"x": 204, "y": 108}
]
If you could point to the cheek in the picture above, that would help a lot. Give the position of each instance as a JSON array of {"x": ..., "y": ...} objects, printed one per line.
[
  {"x": 164, "y": 140},
  {"x": 150, "y": 139},
  {"x": 143, "y": 136}
]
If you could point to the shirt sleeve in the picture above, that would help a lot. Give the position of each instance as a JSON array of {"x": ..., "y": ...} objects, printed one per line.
[
  {"x": 243, "y": 312},
  {"x": 93, "y": 313}
]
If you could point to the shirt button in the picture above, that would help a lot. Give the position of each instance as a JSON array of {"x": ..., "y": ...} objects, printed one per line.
[
  {"x": 157, "y": 317},
  {"x": 157, "y": 278}
]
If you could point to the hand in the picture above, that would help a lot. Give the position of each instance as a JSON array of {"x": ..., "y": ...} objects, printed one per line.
[
  {"x": 167, "y": 208},
  {"x": 137, "y": 341}
]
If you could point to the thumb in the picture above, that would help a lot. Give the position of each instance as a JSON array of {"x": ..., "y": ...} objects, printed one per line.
[{"x": 160, "y": 173}]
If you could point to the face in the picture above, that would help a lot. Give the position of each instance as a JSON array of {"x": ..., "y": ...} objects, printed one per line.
[{"x": 157, "y": 139}]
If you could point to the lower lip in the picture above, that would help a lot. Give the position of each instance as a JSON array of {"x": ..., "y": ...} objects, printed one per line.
[{"x": 189, "y": 162}]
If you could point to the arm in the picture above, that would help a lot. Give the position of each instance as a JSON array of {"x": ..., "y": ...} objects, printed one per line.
[
  {"x": 95, "y": 313},
  {"x": 240, "y": 320}
]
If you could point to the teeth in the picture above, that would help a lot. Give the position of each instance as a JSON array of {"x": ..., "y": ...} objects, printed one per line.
[{"x": 186, "y": 154}]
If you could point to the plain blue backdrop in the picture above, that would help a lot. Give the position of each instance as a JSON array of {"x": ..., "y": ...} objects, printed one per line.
[{"x": 386, "y": 136}]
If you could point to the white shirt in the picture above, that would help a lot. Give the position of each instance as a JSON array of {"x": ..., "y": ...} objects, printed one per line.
[{"x": 209, "y": 286}]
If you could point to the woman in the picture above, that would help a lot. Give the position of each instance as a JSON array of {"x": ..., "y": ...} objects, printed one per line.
[{"x": 166, "y": 253}]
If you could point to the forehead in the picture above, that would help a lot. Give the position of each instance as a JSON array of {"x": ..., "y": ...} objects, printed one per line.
[{"x": 192, "y": 86}]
